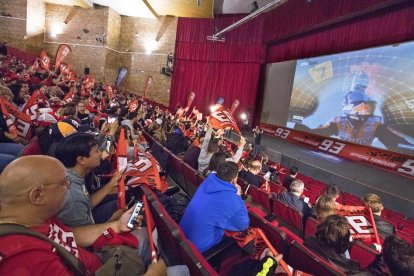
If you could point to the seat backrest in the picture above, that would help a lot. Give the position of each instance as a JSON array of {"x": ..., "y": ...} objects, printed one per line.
[
  {"x": 157, "y": 150},
  {"x": 362, "y": 253},
  {"x": 303, "y": 259},
  {"x": 169, "y": 234},
  {"x": 151, "y": 196},
  {"x": 175, "y": 171},
  {"x": 276, "y": 188},
  {"x": 200, "y": 179},
  {"x": 190, "y": 176},
  {"x": 194, "y": 260},
  {"x": 276, "y": 237},
  {"x": 288, "y": 214},
  {"x": 260, "y": 197},
  {"x": 310, "y": 226}
]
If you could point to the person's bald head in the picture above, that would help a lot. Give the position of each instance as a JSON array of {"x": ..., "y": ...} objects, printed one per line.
[{"x": 36, "y": 181}]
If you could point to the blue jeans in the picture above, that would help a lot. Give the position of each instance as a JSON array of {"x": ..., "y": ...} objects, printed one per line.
[{"x": 8, "y": 153}]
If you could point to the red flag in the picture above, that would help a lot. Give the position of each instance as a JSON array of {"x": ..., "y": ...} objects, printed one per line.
[
  {"x": 148, "y": 84},
  {"x": 10, "y": 125},
  {"x": 150, "y": 227},
  {"x": 234, "y": 106},
  {"x": 61, "y": 53},
  {"x": 21, "y": 121},
  {"x": 44, "y": 60},
  {"x": 362, "y": 223},
  {"x": 133, "y": 105},
  {"x": 109, "y": 90},
  {"x": 190, "y": 99},
  {"x": 68, "y": 97},
  {"x": 121, "y": 152},
  {"x": 102, "y": 104},
  {"x": 221, "y": 118}
]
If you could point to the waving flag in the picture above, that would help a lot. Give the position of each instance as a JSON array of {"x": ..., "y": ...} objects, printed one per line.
[
  {"x": 148, "y": 84},
  {"x": 362, "y": 223},
  {"x": 133, "y": 105},
  {"x": 221, "y": 118},
  {"x": 121, "y": 153},
  {"x": 18, "y": 122},
  {"x": 234, "y": 106},
  {"x": 122, "y": 72},
  {"x": 61, "y": 53},
  {"x": 44, "y": 60}
]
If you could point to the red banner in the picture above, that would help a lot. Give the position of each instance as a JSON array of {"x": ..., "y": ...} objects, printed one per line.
[
  {"x": 391, "y": 161},
  {"x": 18, "y": 122},
  {"x": 190, "y": 99},
  {"x": 362, "y": 223},
  {"x": 148, "y": 84},
  {"x": 44, "y": 60},
  {"x": 221, "y": 118},
  {"x": 61, "y": 53},
  {"x": 234, "y": 106}
]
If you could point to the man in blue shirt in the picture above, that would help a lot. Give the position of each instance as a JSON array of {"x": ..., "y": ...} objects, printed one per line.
[{"x": 215, "y": 207}]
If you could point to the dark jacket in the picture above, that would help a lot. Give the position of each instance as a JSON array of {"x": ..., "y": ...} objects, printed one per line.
[
  {"x": 191, "y": 156},
  {"x": 288, "y": 180},
  {"x": 296, "y": 202},
  {"x": 384, "y": 228},
  {"x": 329, "y": 254},
  {"x": 176, "y": 142},
  {"x": 250, "y": 178}
]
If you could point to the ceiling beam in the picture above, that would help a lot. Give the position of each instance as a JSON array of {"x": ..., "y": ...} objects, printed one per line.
[
  {"x": 183, "y": 8},
  {"x": 77, "y": 3}
]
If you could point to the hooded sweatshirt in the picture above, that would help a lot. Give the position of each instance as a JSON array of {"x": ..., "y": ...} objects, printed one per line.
[{"x": 215, "y": 207}]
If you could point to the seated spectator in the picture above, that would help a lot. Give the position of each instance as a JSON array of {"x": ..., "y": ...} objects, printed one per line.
[
  {"x": 331, "y": 241},
  {"x": 32, "y": 190},
  {"x": 293, "y": 198},
  {"x": 215, "y": 161},
  {"x": 398, "y": 256},
  {"x": 324, "y": 207},
  {"x": 176, "y": 142},
  {"x": 293, "y": 172},
  {"x": 215, "y": 207},
  {"x": 82, "y": 114},
  {"x": 374, "y": 202},
  {"x": 251, "y": 175},
  {"x": 80, "y": 154}
]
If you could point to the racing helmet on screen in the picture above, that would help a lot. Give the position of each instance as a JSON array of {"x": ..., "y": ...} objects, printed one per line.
[{"x": 358, "y": 105}]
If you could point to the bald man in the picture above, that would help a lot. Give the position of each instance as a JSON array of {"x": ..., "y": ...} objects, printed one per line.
[{"x": 32, "y": 191}]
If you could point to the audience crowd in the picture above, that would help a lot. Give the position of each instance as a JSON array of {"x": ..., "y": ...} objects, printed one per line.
[{"x": 57, "y": 153}]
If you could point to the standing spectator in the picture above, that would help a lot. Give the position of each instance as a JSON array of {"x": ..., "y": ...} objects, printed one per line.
[
  {"x": 257, "y": 134},
  {"x": 374, "y": 202},
  {"x": 215, "y": 207}
]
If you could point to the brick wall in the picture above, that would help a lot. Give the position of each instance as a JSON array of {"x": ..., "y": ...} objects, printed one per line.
[{"x": 100, "y": 39}]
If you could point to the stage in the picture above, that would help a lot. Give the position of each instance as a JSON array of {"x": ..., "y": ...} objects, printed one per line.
[{"x": 396, "y": 192}]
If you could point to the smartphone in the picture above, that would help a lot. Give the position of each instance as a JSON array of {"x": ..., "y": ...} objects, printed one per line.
[
  {"x": 232, "y": 136},
  {"x": 135, "y": 213}
]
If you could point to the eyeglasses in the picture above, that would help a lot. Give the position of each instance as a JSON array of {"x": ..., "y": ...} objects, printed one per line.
[{"x": 67, "y": 182}]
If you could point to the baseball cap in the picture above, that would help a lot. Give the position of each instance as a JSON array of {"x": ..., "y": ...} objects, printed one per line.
[{"x": 60, "y": 130}]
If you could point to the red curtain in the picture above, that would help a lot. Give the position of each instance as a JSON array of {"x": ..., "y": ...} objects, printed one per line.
[
  {"x": 227, "y": 69},
  {"x": 211, "y": 80},
  {"x": 388, "y": 26},
  {"x": 299, "y": 16}
]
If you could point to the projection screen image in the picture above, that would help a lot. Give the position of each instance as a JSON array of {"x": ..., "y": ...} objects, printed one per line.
[{"x": 364, "y": 97}]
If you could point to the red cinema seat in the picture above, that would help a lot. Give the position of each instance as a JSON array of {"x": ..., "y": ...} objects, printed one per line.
[
  {"x": 260, "y": 197},
  {"x": 276, "y": 188},
  {"x": 310, "y": 226},
  {"x": 175, "y": 171},
  {"x": 301, "y": 258},
  {"x": 405, "y": 236},
  {"x": 169, "y": 234},
  {"x": 275, "y": 236},
  {"x": 288, "y": 214},
  {"x": 190, "y": 176},
  {"x": 193, "y": 259},
  {"x": 362, "y": 253}
]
